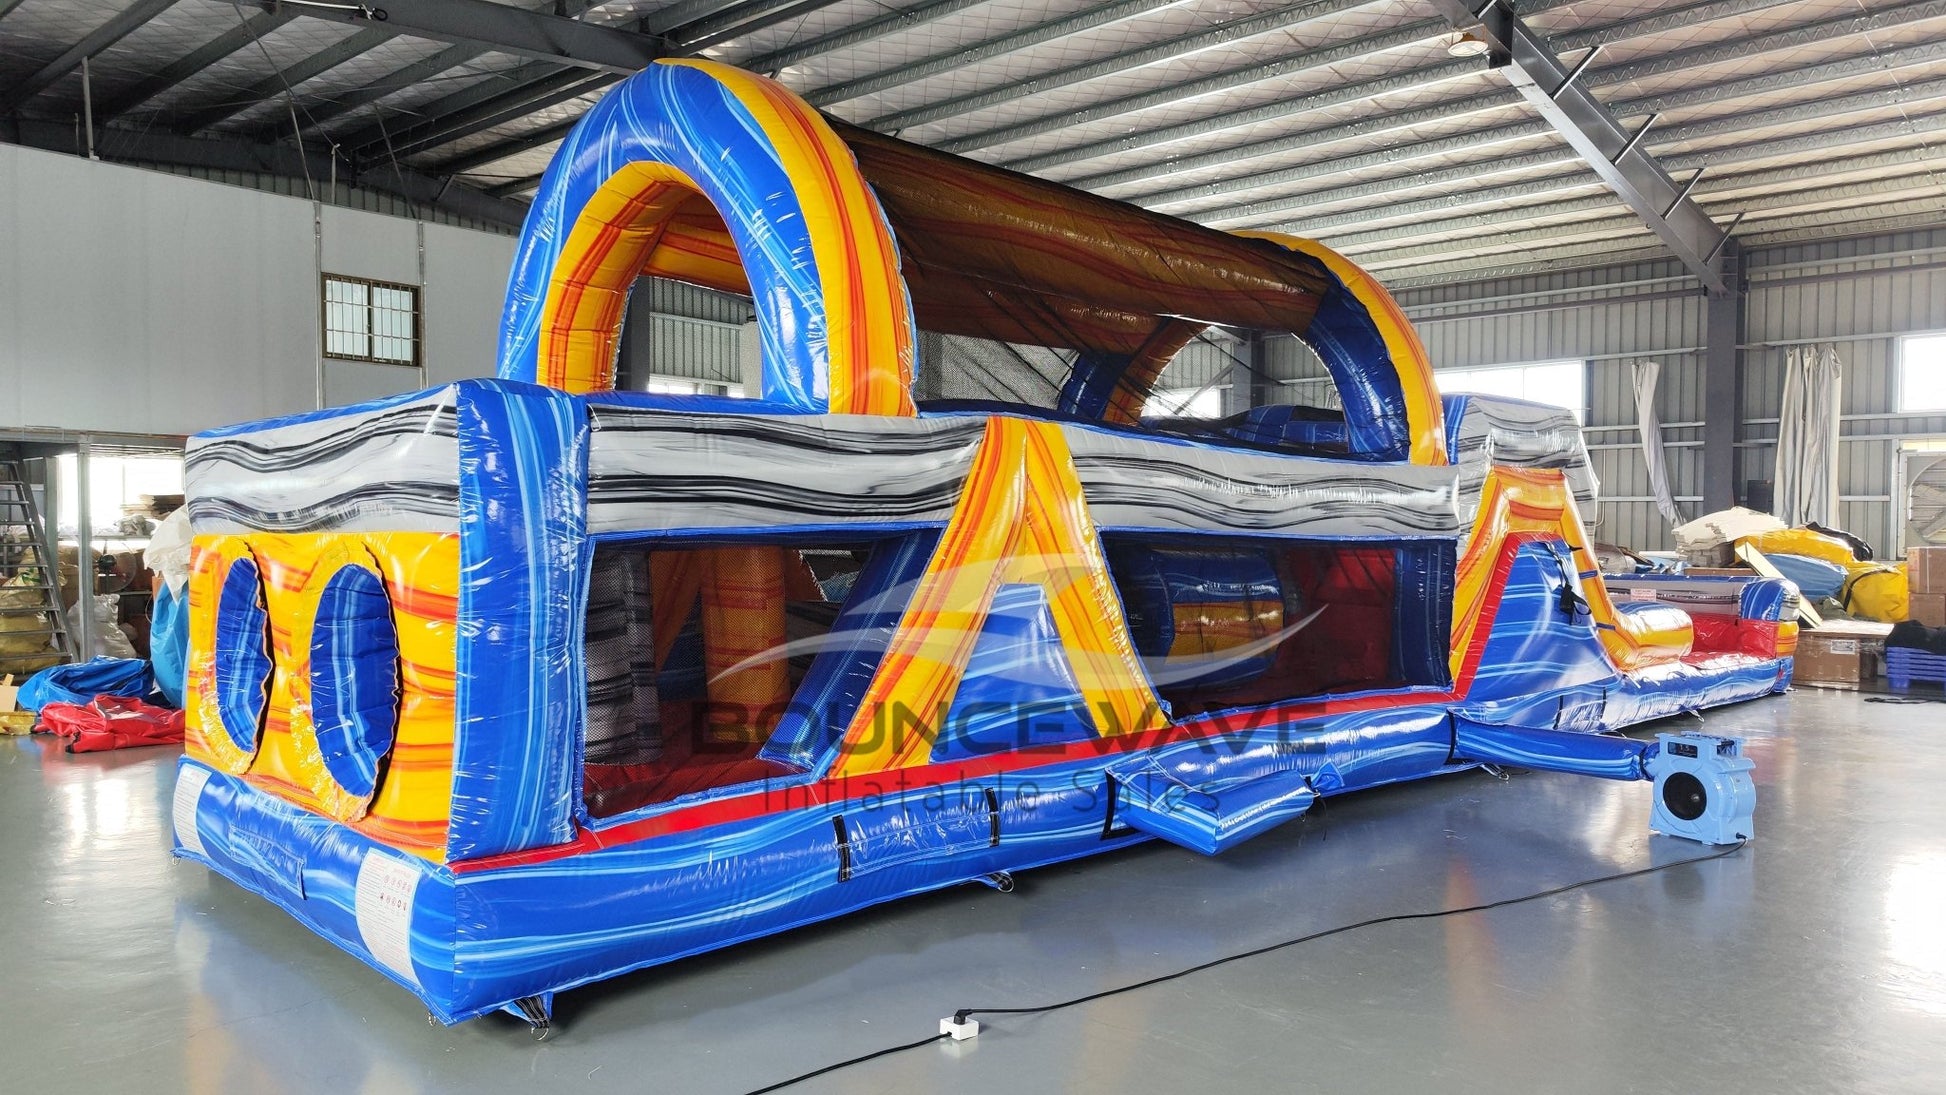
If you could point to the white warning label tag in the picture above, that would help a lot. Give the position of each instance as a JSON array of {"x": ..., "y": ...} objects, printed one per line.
[
  {"x": 1640, "y": 593},
  {"x": 189, "y": 792},
  {"x": 386, "y": 885}
]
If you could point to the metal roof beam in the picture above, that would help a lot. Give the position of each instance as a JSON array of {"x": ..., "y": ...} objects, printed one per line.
[
  {"x": 1866, "y": 218},
  {"x": 693, "y": 22},
  {"x": 892, "y": 22},
  {"x": 1886, "y": 60},
  {"x": 492, "y": 87},
  {"x": 1555, "y": 91},
  {"x": 1550, "y": 260},
  {"x": 742, "y": 19},
  {"x": 1654, "y": 104},
  {"x": 449, "y": 122},
  {"x": 114, "y": 30},
  {"x": 681, "y": 13},
  {"x": 1882, "y": 217},
  {"x": 1343, "y": 95},
  {"x": 526, "y": 142},
  {"x": 1400, "y": 37},
  {"x": 1258, "y": 214},
  {"x": 458, "y": 128},
  {"x": 453, "y": 56},
  {"x": 1460, "y": 238},
  {"x": 503, "y": 29},
  {"x": 1502, "y": 244},
  {"x": 514, "y": 186},
  {"x": 318, "y": 113},
  {"x": 445, "y": 60},
  {"x": 1222, "y": 34},
  {"x": 278, "y": 84},
  {"x": 448, "y": 58},
  {"x": 454, "y": 124},
  {"x": 1394, "y": 155},
  {"x": 1409, "y": 35},
  {"x": 1456, "y": 220},
  {"x": 475, "y": 27},
  {"x": 488, "y": 98},
  {"x": 1712, "y": 53},
  {"x": 1715, "y": 191},
  {"x": 1098, "y": 15},
  {"x": 229, "y": 154},
  {"x": 198, "y": 59},
  {"x": 512, "y": 107}
]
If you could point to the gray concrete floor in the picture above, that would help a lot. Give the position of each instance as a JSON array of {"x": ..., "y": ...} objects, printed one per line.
[{"x": 1813, "y": 960}]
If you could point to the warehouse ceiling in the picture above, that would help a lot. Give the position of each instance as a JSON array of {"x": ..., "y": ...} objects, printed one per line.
[{"x": 1351, "y": 121}]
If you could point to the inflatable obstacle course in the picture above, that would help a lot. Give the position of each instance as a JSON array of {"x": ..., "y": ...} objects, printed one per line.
[{"x": 517, "y": 684}]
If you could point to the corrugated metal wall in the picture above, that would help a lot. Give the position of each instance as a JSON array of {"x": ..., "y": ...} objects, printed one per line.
[
  {"x": 343, "y": 195},
  {"x": 1293, "y": 374},
  {"x": 696, "y": 349},
  {"x": 680, "y": 330},
  {"x": 1859, "y": 295},
  {"x": 145, "y": 302}
]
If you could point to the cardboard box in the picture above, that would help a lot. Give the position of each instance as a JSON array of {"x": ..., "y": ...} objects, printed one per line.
[
  {"x": 1715, "y": 555},
  {"x": 1928, "y": 609},
  {"x": 1841, "y": 654},
  {"x": 1925, "y": 569},
  {"x": 13, "y": 720},
  {"x": 1828, "y": 660}
]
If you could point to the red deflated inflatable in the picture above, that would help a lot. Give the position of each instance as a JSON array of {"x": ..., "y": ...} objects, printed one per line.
[{"x": 111, "y": 722}]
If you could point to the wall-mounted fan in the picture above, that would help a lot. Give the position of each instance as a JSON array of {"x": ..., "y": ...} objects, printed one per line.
[{"x": 1925, "y": 497}]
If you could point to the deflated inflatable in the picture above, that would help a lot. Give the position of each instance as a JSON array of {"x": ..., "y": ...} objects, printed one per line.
[{"x": 517, "y": 684}]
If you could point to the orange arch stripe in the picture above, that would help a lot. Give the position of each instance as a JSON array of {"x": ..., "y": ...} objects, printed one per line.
[
  {"x": 645, "y": 209},
  {"x": 868, "y": 322},
  {"x": 617, "y": 229}
]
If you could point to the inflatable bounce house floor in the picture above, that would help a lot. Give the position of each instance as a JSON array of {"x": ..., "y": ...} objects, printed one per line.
[{"x": 517, "y": 684}]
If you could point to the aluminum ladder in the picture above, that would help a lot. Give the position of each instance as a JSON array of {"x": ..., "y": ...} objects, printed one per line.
[{"x": 25, "y": 546}]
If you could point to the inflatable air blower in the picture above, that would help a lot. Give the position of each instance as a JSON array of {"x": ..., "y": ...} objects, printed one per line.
[{"x": 1703, "y": 789}]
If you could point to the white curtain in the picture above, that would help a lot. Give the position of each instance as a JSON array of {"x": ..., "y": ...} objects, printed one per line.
[
  {"x": 1807, "y": 438},
  {"x": 1649, "y": 421}
]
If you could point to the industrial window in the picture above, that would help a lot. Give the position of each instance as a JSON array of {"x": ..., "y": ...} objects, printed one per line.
[
  {"x": 1922, "y": 373},
  {"x": 1555, "y": 383},
  {"x": 1206, "y": 402},
  {"x": 677, "y": 385},
  {"x": 368, "y": 320}
]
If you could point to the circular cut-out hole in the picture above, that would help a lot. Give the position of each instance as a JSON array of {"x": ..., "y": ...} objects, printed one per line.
[
  {"x": 354, "y": 678},
  {"x": 241, "y": 660}
]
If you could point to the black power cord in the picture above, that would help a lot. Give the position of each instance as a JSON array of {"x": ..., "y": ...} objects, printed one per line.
[
  {"x": 963, "y": 1014},
  {"x": 872, "y": 1056}
]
